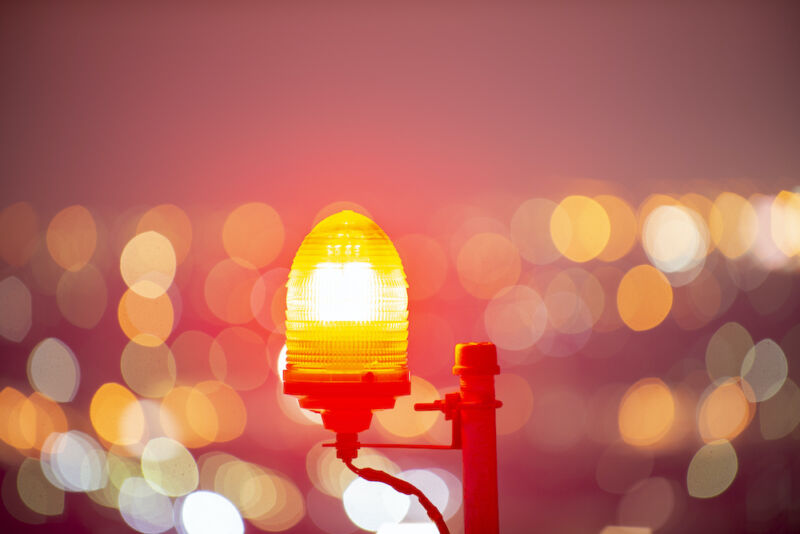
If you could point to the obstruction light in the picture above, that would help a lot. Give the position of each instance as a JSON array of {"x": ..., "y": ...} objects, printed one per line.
[
  {"x": 346, "y": 322},
  {"x": 347, "y": 342}
]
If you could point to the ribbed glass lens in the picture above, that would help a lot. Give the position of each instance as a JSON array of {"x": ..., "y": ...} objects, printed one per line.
[{"x": 346, "y": 304}]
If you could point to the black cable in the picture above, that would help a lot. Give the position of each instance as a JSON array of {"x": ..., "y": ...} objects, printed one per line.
[{"x": 403, "y": 487}]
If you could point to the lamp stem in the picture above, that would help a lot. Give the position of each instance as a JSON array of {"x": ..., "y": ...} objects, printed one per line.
[{"x": 476, "y": 365}]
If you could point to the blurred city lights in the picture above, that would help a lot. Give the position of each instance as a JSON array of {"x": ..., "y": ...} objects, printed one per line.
[
  {"x": 609, "y": 192},
  {"x": 200, "y": 354}
]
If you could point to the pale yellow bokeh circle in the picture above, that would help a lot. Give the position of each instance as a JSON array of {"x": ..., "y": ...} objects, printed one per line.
[
  {"x": 580, "y": 228},
  {"x": 733, "y": 224},
  {"x": 148, "y": 264},
  {"x": 402, "y": 420},
  {"x": 169, "y": 467},
  {"x": 785, "y": 222},
  {"x": 712, "y": 470},
  {"x": 623, "y": 225}
]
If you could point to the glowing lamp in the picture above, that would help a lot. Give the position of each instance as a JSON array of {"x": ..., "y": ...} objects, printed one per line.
[{"x": 346, "y": 322}]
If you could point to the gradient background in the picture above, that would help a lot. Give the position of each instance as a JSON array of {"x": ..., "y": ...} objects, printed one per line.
[{"x": 405, "y": 109}]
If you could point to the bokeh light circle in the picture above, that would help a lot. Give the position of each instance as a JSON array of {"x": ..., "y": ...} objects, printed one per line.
[
  {"x": 765, "y": 369},
  {"x": 144, "y": 509},
  {"x": 36, "y": 491},
  {"x": 486, "y": 263},
  {"x": 82, "y": 296},
  {"x": 515, "y": 392},
  {"x": 146, "y": 321},
  {"x": 644, "y": 297},
  {"x": 530, "y": 231},
  {"x": 432, "y": 486},
  {"x": 253, "y": 234},
  {"x": 785, "y": 222},
  {"x": 16, "y": 313},
  {"x": 72, "y": 237},
  {"x": 515, "y": 318},
  {"x": 780, "y": 414},
  {"x": 370, "y": 505},
  {"x": 646, "y": 412},
  {"x": 116, "y": 414},
  {"x": 148, "y": 263},
  {"x": 580, "y": 228},
  {"x": 712, "y": 470},
  {"x": 724, "y": 411},
  {"x": 268, "y": 299},
  {"x": 622, "y": 221},
  {"x": 206, "y": 512},
  {"x": 53, "y": 370},
  {"x": 238, "y": 357},
  {"x": 74, "y": 461},
  {"x": 726, "y": 350},
  {"x": 733, "y": 224},
  {"x": 169, "y": 467},
  {"x": 172, "y": 222},
  {"x": 403, "y": 420},
  {"x": 228, "y": 291},
  {"x": 149, "y": 371},
  {"x": 673, "y": 239}
]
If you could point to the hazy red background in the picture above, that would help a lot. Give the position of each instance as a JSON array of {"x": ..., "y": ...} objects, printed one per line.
[
  {"x": 404, "y": 109},
  {"x": 390, "y": 106}
]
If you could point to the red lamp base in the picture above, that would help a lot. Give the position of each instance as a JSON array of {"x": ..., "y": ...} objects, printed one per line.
[{"x": 346, "y": 406}]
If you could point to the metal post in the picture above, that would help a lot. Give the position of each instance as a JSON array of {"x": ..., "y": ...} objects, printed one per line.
[{"x": 476, "y": 365}]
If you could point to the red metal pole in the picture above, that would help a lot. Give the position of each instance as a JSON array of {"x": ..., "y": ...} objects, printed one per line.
[{"x": 476, "y": 365}]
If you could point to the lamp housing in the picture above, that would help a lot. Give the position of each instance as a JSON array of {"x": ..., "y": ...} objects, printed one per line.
[{"x": 346, "y": 322}]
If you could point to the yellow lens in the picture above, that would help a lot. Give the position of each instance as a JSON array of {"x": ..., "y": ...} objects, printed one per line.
[{"x": 346, "y": 306}]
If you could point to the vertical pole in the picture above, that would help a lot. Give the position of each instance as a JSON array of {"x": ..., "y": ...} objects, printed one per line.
[{"x": 476, "y": 365}]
